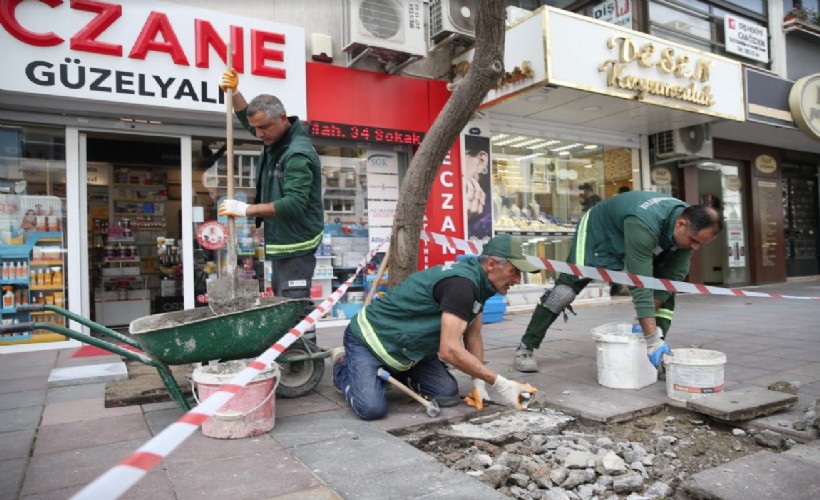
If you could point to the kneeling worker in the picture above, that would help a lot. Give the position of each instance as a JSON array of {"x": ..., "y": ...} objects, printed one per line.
[{"x": 434, "y": 315}]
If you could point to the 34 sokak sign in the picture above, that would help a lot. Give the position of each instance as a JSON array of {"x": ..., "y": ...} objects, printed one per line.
[{"x": 146, "y": 52}]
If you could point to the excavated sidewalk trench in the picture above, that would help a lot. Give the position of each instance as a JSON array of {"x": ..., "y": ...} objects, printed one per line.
[{"x": 544, "y": 453}]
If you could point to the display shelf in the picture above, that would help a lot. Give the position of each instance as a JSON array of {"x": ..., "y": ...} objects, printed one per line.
[{"x": 27, "y": 258}]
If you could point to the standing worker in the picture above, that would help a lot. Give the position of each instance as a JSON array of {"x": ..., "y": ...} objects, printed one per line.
[
  {"x": 644, "y": 233},
  {"x": 434, "y": 315},
  {"x": 288, "y": 191}
]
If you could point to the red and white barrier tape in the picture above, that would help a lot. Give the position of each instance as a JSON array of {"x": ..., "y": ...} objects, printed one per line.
[
  {"x": 120, "y": 478},
  {"x": 620, "y": 277}
]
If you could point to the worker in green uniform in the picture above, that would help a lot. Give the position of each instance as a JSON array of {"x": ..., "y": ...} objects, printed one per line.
[
  {"x": 644, "y": 233},
  {"x": 288, "y": 191},
  {"x": 434, "y": 315}
]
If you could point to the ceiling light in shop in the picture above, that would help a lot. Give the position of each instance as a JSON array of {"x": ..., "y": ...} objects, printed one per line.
[
  {"x": 562, "y": 153},
  {"x": 588, "y": 165},
  {"x": 542, "y": 144},
  {"x": 511, "y": 140},
  {"x": 591, "y": 146},
  {"x": 498, "y": 137},
  {"x": 527, "y": 157}
]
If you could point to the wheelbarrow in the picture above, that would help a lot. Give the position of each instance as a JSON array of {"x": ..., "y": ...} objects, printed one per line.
[{"x": 198, "y": 335}]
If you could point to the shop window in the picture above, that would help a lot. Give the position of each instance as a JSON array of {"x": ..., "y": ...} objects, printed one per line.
[
  {"x": 541, "y": 187},
  {"x": 699, "y": 24},
  {"x": 32, "y": 228}
]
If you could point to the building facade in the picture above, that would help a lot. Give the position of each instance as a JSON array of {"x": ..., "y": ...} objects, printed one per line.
[{"x": 113, "y": 135}]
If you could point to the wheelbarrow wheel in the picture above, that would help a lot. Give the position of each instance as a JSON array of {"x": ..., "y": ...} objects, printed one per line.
[{"x": 299, "y": 377}]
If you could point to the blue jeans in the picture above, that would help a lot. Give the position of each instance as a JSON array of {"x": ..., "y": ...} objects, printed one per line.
[{"x": 356, "y": 377}]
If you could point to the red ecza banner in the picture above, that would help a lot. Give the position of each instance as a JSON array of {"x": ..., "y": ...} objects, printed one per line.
[{"x": 445, "y": 212}]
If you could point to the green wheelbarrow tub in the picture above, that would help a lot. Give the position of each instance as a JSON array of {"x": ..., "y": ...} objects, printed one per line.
[{"x": 198, "y": 335}]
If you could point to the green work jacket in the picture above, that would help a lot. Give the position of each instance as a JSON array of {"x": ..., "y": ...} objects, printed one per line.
[
  {"x": 404, "y": 325},
  {"x": 290, "y": 177},
  {"x": 649, "y": 219}
]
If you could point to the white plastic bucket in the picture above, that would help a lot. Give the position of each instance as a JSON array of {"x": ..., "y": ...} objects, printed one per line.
[
  {"x": 693, "y": 373},
  {"x": 622, "y": 359},
  {"x": 250, "y": 412}
]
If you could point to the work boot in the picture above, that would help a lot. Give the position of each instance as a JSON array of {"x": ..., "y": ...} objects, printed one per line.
[
  {"x": 524, "y": 360},
  {"x": 337, "y": 355}
]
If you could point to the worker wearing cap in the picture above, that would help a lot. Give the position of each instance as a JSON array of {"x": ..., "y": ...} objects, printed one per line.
[
  {"x": 434, "y": 315},
  {"x": 643, "y": 233}
]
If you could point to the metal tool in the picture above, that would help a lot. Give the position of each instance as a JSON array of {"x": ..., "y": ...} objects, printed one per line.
[
  {"x": 431, "y": 406},
  {"x": 227, "y": 287}
]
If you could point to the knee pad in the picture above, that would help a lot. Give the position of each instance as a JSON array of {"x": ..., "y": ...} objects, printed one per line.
[{"x": 558, "y": 299}]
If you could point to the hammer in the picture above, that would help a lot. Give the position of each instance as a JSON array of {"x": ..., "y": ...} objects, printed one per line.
[{"x": 432, "y": 407}]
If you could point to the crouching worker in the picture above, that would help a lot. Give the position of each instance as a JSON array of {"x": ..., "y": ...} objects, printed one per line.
[{"x": 434, "y": 315}]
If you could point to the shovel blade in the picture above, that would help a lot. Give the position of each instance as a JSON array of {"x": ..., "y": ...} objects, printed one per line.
[
  {"x": 222, "y": 292},
  {"x": 433, "y": 409}
]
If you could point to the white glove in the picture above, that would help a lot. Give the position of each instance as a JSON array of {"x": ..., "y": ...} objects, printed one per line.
[
  {"x": 511, "y": 392},
  {"x": 233, "y": 208}
]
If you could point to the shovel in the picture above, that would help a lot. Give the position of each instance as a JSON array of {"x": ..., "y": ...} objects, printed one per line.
[{"x": 229, "y": 294}]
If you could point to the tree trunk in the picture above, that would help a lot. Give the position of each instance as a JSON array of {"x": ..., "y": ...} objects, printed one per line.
[{"x": 486, "y": 69}]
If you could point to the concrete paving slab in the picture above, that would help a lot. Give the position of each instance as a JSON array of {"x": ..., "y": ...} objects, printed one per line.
[
  {"x": 160, "y": 419},
  {"x": 426, "y": 480},
  {"x": 352, "y": 456},
  {"x": 200, "y": 448},
  {"x": 808, "y": 452},
  {"x": 13, "y": 372},
  {"x": 79, "y": 435},
  {"x": 604, "y": 405},
  {"x": 11, "y": 477},
  {"x": 82, "y": 409},
  {"x": 762, "y": 475},
  {"x": 87, "y": 374},
  {"x": 319, "y": 427},
  {"x": 65, "y": 361},
  {"x": 784, "y": 421},
  {"x": 320, "y": 493},
  {"x": 23, "y": 384},
  {"x": 742, "y": 404},
  {"x": 811, "y": 369},
  {"x": 16, "y": 444},
  {"x": 310, "y": 403},
  {"x": 75, "y": 392},
  {"x": 22, "y": 399},
  {"x": 248, "y": 477},
  {"x": 17, "y": 419},
  {"x": 155, "y": 485},
  {"x": 54, "y": 471}
]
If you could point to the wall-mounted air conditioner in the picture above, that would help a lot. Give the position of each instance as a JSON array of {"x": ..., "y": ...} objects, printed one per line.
[
  {"x": 386, "y": 26},
  {"x": 692, "y": 141},
  {"x": 452, "y": 20}
]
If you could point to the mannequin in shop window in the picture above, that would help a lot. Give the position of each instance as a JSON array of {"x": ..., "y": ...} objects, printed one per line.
[{"x": 288, "y": 191}]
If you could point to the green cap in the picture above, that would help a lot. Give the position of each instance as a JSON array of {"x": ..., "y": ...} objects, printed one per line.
[{"x": 509, "y": 247}]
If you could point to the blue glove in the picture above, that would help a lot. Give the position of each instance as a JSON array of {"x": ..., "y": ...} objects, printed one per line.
[{"x": 656, "y": 355}]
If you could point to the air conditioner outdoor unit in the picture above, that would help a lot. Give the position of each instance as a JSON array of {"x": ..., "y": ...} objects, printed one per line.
[
  {"x": 452, "y": 17},
  {"x": 692, "y": 141},
  {"x": 388, "y": 27}
]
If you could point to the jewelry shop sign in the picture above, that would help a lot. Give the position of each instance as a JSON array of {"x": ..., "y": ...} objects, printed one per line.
[{"x": 624, "y": 63}]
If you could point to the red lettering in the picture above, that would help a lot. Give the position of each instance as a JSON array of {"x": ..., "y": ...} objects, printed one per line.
[
  {"x": 158, "y": 23},
  {"x": 206, "y": 36},
  {"x": 86, "y": 38},
  {"x": 260, "y": 53},
  {"x": 15, "y": 29}
]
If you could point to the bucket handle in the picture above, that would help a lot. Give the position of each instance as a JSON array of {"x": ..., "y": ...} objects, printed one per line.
[{"x": 238, "y": 415}]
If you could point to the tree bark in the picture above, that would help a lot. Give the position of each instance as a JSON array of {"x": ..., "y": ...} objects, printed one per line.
[{"x": 485, "y": 70}]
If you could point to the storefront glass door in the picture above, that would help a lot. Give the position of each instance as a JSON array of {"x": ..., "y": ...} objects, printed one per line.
[{"x": 134, "y": 211}]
